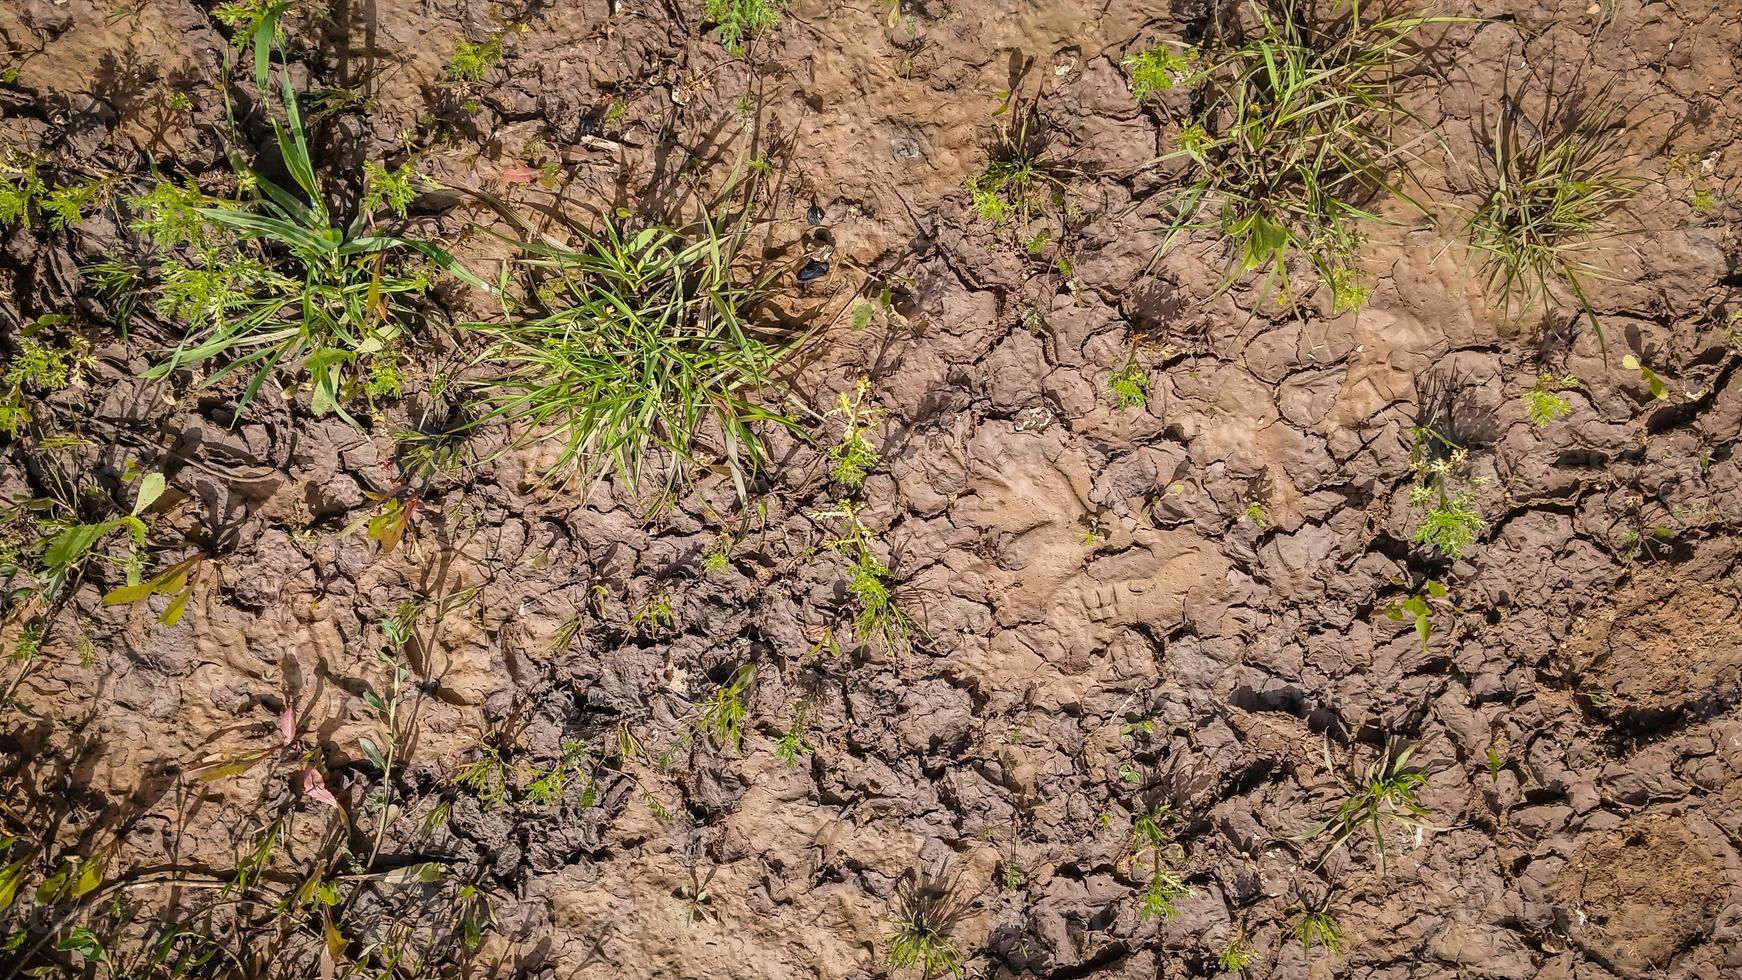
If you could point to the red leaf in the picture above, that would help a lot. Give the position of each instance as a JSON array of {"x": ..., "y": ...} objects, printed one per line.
[
  {"x": 287, "y": 725},
  {"x": 315, "y": 788},
  {"x": 520, "y": 175}
]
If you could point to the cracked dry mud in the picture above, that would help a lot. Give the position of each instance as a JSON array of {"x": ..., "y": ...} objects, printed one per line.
[{"x": 1102, "y": 627}]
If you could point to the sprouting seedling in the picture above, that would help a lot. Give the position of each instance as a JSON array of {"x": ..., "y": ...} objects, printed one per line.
[
  {"x": 1383, "y": 796},
  {"x": 697, "y": 898},
  {"x": 385, "y": 755},
  {"x": 718, "y": 558},
  {"x": 927, "y": 912},
  {"x": 854, "y": 455},
  {"x": 1544, "y": 403},
  {"x": 1419, "y": 608},
  {"x": 723, "y": 713},
  {"x": 655, "y": 615},
  {"x": 1655, "y": 384},
  {"x": 879, "y": 307}
]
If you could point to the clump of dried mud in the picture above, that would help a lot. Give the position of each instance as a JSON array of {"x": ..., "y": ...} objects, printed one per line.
[{"x": 1104, "y": 624}]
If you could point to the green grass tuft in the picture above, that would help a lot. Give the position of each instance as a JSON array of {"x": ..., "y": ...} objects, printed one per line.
[
  {"x": 927, "y": 913},
  {"x": 1552, "y": 200},
  {"x": 1384, "y": 796},
  {"x": 645, "y": 345},
  {"x": 1291, "y": 137}
]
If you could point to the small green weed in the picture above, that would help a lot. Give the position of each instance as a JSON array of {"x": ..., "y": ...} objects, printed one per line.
[
  {"x": 39, "y": 368},
  {"x": 739, "y": 22},
  {"x": 384, "y": 377},
  {"x": 547, "y": 787},
  {"x": 1018, "y": 180},
  {"x": 20, "y": 188},
  {"x": 697, "y": 897},
  {"x": 67, "y": 543},
  {"x": 1318, "y": 927},
  {"x": 1129, "y": 386},
  {"x": 723, "y": 713},
  {"x": 647, "y": 345},
  {"x": 1157, "y": 899},
  {"x": 870, "y": 583},
  {"x": 471, "y": 63},
  {"x": 1419, "y": 608},
  {"x": 718, "y": 558},
  {"x": 1157, "y": 70},
  {"x": 24, "y": 193},
  {"x": 1544, "y": 404},
  {"x": 853, "y": 455},
  {"x": 616, "y": 116},
  {"x": 1237, "y": 955},
  {"x": 1653, "y": 381},
  {"x": 68, "y": 204},
  {"x": 246, "y": 19},
  {"x": 1445, "y": 489},
  {"x": 278, "y": 279},
  {"x": 1383, "y": 796},
  {"x": 881, "y": 308},
  {"x": 655, "y": 615},
  {"x": 488, "y": 777},
  {"x": 1150, "y": 836},
  {"x": 791, "y": 744},
  {"x": 396, "y": 188},
  {"x": 116, "y": 282}
]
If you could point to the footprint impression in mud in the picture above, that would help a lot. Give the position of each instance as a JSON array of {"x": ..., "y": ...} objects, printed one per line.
[
  {"x": 1029, "y": 495},
  {"x": 1151, "y": 582}
]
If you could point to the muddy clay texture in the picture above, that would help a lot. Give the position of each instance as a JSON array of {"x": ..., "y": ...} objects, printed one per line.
[{"x": 1104, "y": 623}]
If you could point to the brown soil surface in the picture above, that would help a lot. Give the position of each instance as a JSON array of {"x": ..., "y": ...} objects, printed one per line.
[{"x": 1101, "y": 627}]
